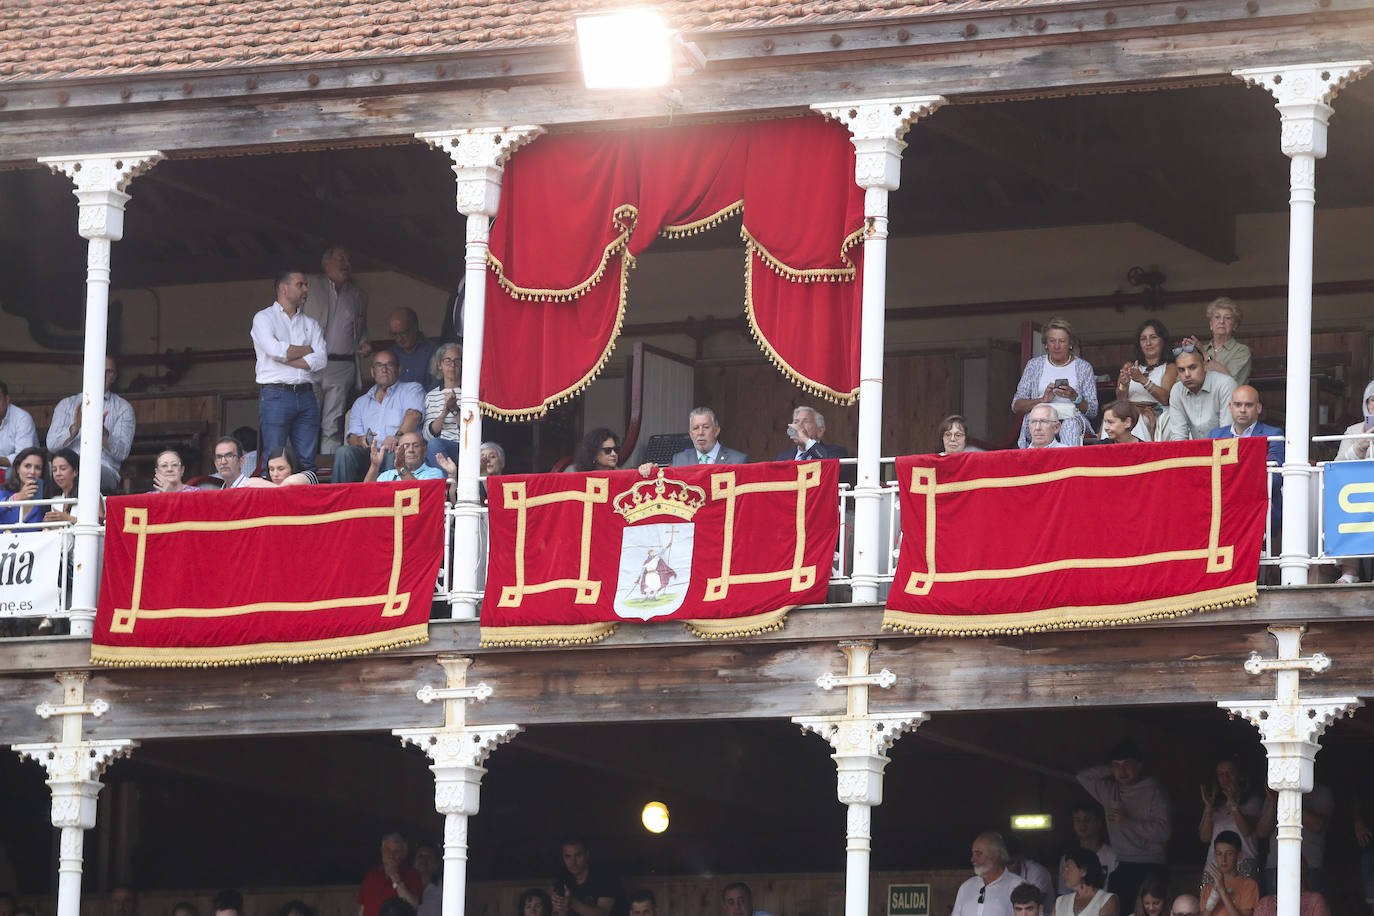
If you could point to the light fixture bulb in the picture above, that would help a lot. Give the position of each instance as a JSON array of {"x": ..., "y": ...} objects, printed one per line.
[
  {"x": 626, "y": 49},
  {"x": 655, "y": 817}
]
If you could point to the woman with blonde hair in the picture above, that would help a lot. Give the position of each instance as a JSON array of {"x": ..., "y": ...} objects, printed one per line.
[{"x": 1060, "y": 379}]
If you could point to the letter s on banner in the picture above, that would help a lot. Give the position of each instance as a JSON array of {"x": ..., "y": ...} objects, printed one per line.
[{"x": 1356, "y": 489}]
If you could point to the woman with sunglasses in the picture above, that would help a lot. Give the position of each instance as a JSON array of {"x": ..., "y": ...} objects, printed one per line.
[{"x": 599, "y": 451}]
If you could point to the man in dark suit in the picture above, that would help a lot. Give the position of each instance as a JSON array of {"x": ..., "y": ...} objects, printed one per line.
[
  {"x": 1245, "y": 412},
  {"x": 706, "y": 445},
  {"x": 806, "y": 431}
]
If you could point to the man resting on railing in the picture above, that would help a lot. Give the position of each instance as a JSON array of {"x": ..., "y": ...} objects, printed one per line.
[{"x": 410, "y": 461}]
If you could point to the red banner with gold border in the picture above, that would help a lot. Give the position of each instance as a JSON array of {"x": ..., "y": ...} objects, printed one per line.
[
  {"x": 1038, "y": 539},
  {"x": 254, "y": 575},
  {"x": 727, "y": 549}
]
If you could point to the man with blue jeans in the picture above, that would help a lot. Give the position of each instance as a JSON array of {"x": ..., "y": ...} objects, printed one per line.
[
  {"x": 388, "y": 409},
  {"x": 290, "y": 350}
]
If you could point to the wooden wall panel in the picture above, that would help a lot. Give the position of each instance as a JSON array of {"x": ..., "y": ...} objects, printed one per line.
[{"x": 754, "y": 403}]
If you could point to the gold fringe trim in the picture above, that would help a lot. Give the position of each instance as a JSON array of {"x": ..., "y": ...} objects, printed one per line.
[
  {"x": 736, "y": 627},
  {"x": 623, "y": 218},
  {"x": 627, "y": 262},
  {"x": 257, "y": 653},
  {"x": 574, "y": 634},
  {"x": 1065, "y": 618},
  {"x": 685, "y": 229},
  {"x": 812, "y": 275},
  {"x": 810, "y": 387}
]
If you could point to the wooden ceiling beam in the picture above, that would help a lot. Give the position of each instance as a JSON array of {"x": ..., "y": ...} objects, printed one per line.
[
  {"x": 315, "y": 223},
  {"x": 1200, "y": 221}
]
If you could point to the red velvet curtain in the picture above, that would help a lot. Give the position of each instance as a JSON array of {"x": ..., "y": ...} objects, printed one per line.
[{"x": 576, "y": 209}]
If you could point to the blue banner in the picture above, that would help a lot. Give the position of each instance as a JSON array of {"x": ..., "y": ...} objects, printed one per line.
[{"x": 1348, "y": 509}]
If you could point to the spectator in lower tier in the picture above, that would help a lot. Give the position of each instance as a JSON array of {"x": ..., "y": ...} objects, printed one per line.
[
  {"x": 1087, "y": 894},
  {"x": 391, "y": 879},
  {"x": 1138, "y": 817},
  {"x": 1228, "y": 894}
]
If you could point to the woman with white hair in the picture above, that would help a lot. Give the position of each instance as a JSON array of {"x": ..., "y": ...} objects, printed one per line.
[
  {"x": 1061, "y": 379},
  {"x": 440, "y": 427},
  {"x": 1223, "y": 352}
]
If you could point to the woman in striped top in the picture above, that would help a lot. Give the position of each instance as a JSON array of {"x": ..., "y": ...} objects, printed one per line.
[{"x": 441, "y": 405}]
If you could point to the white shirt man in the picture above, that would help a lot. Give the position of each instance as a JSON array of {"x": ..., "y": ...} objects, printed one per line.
[
  {"x": 1043, "y": 426},
  {"x": 988, "y": 892},
  {"x": 16, "y": 429},
  {"x": 118, "y": 433},
  {"x": 290, "y": 350}
]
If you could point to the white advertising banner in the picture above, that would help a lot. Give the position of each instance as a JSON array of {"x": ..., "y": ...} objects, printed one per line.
[{"x": 29, "y": 568}]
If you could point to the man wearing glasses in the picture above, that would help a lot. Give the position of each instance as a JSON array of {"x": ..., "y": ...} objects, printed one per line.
[
  {"x": 229, "y": 463},
  {"x": 388, "y": 409},
  {"x": 988, "y": 892},
  {"x": 1043, "y": 425}
]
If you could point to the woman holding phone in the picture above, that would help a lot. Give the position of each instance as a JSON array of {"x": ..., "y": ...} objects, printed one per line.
[{"x": 1058, "y": 378}]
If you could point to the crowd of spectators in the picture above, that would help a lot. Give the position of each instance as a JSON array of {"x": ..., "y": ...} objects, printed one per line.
[
  {"x": 311, "y": 341},
  {"x": 1112, "y": 862}
]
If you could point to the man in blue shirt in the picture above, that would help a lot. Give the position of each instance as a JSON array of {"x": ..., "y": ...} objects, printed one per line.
[
  {"x": 386, "y": 411},
  {"x": 410, "y": 462}
]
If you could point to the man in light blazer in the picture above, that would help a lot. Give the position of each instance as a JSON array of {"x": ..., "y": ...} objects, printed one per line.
[{"x": 706, "y": 445}]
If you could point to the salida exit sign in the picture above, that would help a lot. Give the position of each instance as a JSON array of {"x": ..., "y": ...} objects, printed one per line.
[{"x": 908, "y": 900}]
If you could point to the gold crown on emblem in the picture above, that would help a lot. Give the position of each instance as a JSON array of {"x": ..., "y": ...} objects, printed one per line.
[{"x": 660, "y": 496}]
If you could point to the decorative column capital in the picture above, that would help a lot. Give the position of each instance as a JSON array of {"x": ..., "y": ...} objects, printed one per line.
[
  {"x": 74, "y": 765},
  {"x": 479, "y": 155},
  {"x": 456, "y": 748},
  {"x": 861, "y": 739},
  {"x": 1303, "y": 94},
  {"x": 877, "y": 128},
  {"x": 101, "y": 181},
  {"x": 1290, "y": 726}
]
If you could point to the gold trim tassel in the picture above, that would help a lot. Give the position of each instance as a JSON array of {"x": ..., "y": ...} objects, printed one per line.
[
  {"x": 735, "y": 627},
  {"x": 1067, "y": 618},
  {"x": 257, "y": 653},
  {"x": 572, "y": 634}
]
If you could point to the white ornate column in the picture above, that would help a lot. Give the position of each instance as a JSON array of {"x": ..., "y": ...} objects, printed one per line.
[
  {"x": 860, "y": 740},
  {"x": 1304, "y": 93},
  {"x": 877, "y": 127},
  {"x": 457, "y": 750},
  {"x": 100, "y": 193},
  {"x": 479, "y": 156},
  {"x": 1289, "y": 727},
  {"x": 74, "y": 767}
]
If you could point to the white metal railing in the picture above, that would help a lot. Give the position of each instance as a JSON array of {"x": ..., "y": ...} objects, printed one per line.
[{"x": 842, "y": 568}]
